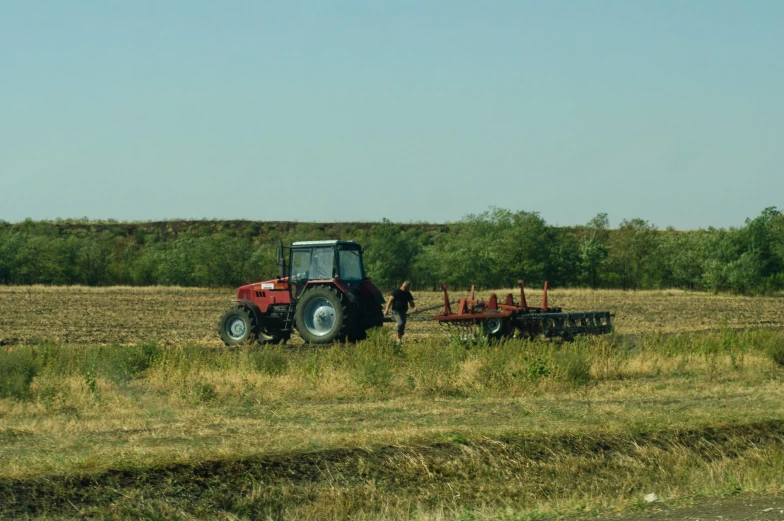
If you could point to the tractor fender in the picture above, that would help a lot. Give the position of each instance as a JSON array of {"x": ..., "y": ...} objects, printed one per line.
[
  {"x": 253, "y": 307},
  {"x": 369, "y": 289},
  {"x": 378, "y": 297}
]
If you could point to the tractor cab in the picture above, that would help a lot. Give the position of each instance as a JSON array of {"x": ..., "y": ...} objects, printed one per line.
[{"x": 313, "y": 261}]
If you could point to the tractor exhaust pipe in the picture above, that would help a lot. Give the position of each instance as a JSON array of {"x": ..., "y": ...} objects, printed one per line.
[{"x": 280, "y": 259}]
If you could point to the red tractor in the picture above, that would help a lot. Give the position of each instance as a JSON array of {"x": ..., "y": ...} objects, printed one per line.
[{"x": 322, "y": 291}]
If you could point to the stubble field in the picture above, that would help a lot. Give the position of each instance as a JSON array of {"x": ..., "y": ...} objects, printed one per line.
[
  {"x": 173, "y": 316},
  {"x": 121, "y": 403}
]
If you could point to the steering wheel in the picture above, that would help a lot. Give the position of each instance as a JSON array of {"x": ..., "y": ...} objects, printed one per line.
[{"x": 320, "y": 273}]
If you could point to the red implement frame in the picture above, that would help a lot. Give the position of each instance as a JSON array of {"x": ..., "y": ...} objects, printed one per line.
[{"x": 476, "y": 310}]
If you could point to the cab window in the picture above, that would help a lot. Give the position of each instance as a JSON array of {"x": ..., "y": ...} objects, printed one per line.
[
  {"x": 300, "y": 265},
  {"x": 350, "y": 265},
  {"x": 322, "y": 263}
]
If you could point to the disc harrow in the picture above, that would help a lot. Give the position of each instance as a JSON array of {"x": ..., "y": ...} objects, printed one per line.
[{"x": 497, "y": 319}]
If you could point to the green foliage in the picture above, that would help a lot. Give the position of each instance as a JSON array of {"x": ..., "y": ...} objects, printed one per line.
[
  {"x": 594, "y": 250},
  {"x": 573, "y": 366},
  {"x": 492, "y": 249},
  {"x": 434, "y": 368},
  {"x": 373, "y": 367},
  {"x": 389, "y": 256},
  {"x": 680, "y": 260},
  {"x": 538, "y": 366},
  {"x": 374, "y": 364},
  {"x": 124, "y": 363},
  {"x": 91, "y": 376},
  {"x": 375, "y": 361},
  {"x": 270, "y": 360},
  {"x": 775, "y": 351},
  {"x": 18, "y": 367},
  {"x": 508, "y": 365},
  {"x": 204, "y": 392},
  {"x": 632, "y": 252}
]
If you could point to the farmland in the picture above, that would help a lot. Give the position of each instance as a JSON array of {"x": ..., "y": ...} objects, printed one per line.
[
  {"x": 122, "y": 403},
  {"x": 173, "y": 316}
]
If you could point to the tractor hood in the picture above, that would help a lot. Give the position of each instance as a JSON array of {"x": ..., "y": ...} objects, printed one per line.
[{"x": 247, "y": 291}]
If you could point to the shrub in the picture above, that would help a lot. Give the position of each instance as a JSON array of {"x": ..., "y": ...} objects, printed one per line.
[
  {"x": 17, "y": 369},
  {"x": 573, "y": 367},
  {"x": 538, "y": 366},
  {"x": 55, "y": 359},
  {"x": 495, "y": 373},
  {"x": 205, "y": 392},
  {"x": 124, "y": 363},
  {"x": 775, "y": 351},
  {"x": 185, "y": 358},
  {"x": 373, "y": 363},
  {"x": 270, "y": 361},
  {"x": 376, "y": 374},
  {"x": 503, "y": 365},
  {"x": 435, "y": 368}
]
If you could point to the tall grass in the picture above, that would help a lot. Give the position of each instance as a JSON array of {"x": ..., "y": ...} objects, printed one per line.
[
  {"x": 17, "y": 369},
  {"x": 376, "y": 367},
  {"x": 435, "y": 429}
]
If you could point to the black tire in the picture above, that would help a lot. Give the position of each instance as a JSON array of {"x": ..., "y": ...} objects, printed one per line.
[
  {"x": 496, "y": 327},
  {"x": 368, "y": 316},
  {"x": 357, "y": 330},
  {"x": 321, "y": 316},
  {"x": 374, "y": 316},
  {"x": 237, "y": 326}
]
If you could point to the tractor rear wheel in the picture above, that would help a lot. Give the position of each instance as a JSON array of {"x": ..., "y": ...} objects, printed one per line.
[
  {"x": 321, "y": 316},
  {"x": 237, "y": 326},
  {"x": 367, "y": 316},
  {"x": 374, "y": 316}
]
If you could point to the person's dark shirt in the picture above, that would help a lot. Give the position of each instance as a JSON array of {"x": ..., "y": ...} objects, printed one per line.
[{"x": 401, "y": 299}]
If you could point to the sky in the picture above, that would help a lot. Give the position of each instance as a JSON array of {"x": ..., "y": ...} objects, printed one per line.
[{"x": 668, "y": 111}]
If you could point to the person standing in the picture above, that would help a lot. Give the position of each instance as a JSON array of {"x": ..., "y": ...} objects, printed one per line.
[{"x": 399, "y": 301}]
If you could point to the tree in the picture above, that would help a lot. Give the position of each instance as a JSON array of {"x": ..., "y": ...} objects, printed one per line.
[
  {"x": 680, "y": 259},
  {"x": 776, "y": 231},
  {"x": 389, "y": 254},
  {"x": 496, "y": 248},
  {"x": 594, "y": 250},
  {"x": 633, "y": 245}
]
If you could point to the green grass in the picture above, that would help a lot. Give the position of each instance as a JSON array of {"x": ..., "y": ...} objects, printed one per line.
[{"x": 437, "y": 429}]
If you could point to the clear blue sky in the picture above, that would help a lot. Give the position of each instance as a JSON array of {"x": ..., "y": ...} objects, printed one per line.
[{"x": 671, "y": 111}]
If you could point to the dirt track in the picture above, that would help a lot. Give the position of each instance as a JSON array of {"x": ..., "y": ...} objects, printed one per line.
[
  {"x": 224, "y": 483},
  {"x": 760, "y": 508}
]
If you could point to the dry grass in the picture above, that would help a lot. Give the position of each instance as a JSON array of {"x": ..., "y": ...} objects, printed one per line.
[{"x": 435, "y": 430}]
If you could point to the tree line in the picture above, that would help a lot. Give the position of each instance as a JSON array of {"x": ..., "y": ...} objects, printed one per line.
[{"x": 492, "y": 249}]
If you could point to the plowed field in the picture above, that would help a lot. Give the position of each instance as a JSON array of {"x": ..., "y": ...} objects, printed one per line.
[{"x": 175, "y": 315}]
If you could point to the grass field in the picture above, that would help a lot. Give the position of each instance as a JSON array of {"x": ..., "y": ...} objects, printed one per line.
[{"x": 120, "y": 403}]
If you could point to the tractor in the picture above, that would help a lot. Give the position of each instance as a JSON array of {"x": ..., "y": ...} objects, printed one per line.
[{"x": 322, "y": 292}]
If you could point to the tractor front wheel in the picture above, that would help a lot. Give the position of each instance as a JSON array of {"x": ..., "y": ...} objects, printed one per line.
[
  {"x": 237, "y": 326},
  {"x": 320, "y": 316}
]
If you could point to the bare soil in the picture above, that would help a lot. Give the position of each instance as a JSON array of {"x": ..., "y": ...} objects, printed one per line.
[
  {"x": 170, "y": 316},
  {"x": 749, "y": 508}
]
